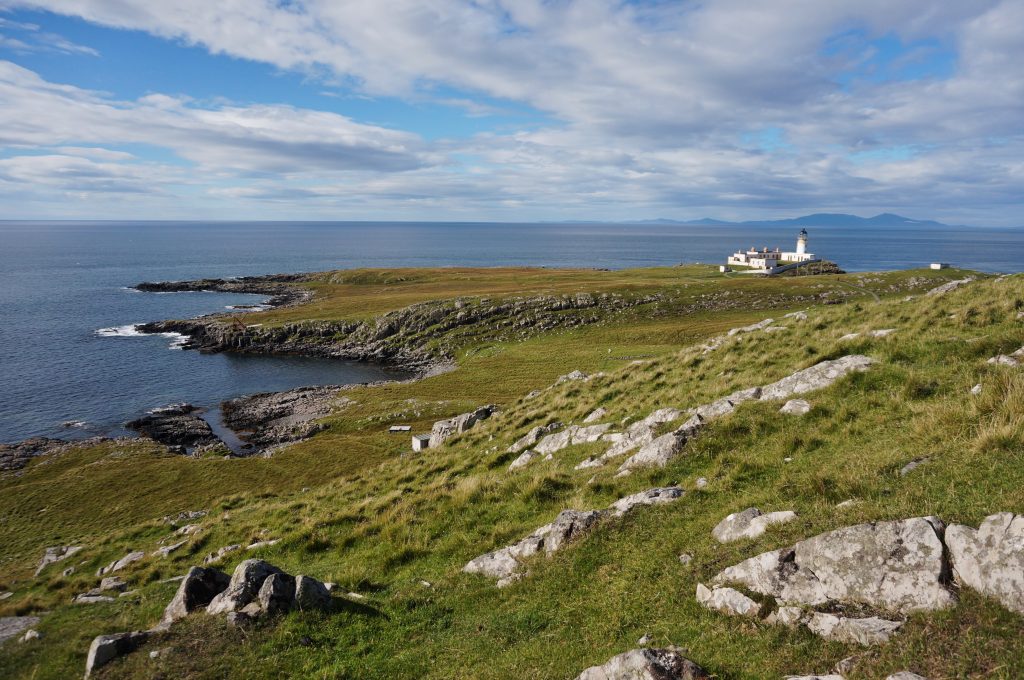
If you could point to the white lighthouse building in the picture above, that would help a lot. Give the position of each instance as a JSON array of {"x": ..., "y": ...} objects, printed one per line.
[{"x": 768, "y": 260}]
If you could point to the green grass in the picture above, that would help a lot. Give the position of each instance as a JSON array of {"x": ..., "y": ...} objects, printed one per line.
[{"x": 377, "y": 519}]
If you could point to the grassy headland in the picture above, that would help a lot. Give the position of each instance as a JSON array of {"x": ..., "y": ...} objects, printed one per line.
[{"x": 354, "y": 506}]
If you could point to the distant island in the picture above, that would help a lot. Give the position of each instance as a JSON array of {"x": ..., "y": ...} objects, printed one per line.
[{"x": 814, "y": 220}]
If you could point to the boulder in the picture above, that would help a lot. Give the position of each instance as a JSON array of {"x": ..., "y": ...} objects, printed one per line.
[
  {"x": 657, "y": 453},
  {"x": 729, "y": 601},
  {"x": 905, "y": 675},
  {"x": 215, "y": 556},
  {"x": 311, "y": 594},
  {"x": 646, "y": 664},
  {"x": 816, "y": 377},
  {"x": 445, "y": 429},
  {"x": 913, "y": 465},
  {"x": 864, "y": 632},
  {"x": 786, "y": 616},
  {"x": 829, "y": 676},
  {"x": 749, "y": 523},
  {"x": 796, "y": 316},
  {"x": 117, "y": 565},
  {"x": 595, "y": 415},
  {"x": 896, "y": 565},
  {"x": 574, "y": 376},
  {"x": 106, "y": 648},
  {"x": 277, "y": 594},
  {"x": 589, "y": 434},
  {"x": 641, "y": 432},
  {"x": 166, "y": 550},
  {"x": 29, "y": 636},
  {"x": 92, "y": 597},
  {"x": 243, "y": 587},
  {"x": 56, "y": 554},
  {"x": 196, "y": 590},
  {"x": 657, "y": 496},
  {"x": 990, "y": 559},
  {"x": 795, "y": 407}
]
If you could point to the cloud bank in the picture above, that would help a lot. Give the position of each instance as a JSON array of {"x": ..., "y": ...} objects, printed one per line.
[{"x": 737, "y": 108}]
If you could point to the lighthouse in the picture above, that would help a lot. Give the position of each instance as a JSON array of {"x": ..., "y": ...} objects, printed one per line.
[{"x": 801, "y": 243}]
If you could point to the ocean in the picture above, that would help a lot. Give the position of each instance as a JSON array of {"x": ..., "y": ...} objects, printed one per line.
[{"x": 72, "y": 367}]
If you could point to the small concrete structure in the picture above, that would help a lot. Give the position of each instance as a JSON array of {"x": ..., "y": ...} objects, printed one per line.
[
  {"x": 420, "y": 442},
  {"x": 940, "y": 265},
  {"x": 724, "y": 268},
  {"x": 400, "y": 428},
  {"x": 768, "y": 260}
]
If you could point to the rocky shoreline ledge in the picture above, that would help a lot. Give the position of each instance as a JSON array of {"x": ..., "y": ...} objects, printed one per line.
[{"x": 280, "y": 287}]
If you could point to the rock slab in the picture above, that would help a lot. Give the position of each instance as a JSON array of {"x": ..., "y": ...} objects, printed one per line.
[{"x": 646, "y": 664}]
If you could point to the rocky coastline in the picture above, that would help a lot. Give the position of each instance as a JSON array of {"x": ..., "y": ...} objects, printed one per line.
[{"x": 280, "y": 287}]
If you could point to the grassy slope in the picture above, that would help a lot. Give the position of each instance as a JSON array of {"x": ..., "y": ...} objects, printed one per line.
[{"x": 378, "y": 524}]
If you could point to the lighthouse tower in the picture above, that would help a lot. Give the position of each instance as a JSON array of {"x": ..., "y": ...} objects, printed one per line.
[{"x": 801, "y": 243}]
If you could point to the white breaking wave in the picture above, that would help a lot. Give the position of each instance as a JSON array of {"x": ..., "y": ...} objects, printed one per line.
[{"x": 132, "y": 331}]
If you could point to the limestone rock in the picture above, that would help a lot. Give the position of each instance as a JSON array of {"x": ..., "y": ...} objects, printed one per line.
[
  {"x": 215, "y": 556},
  {"x": 896, "y": 565},
  {"x": 113, "y": 583},
  {"x": 277, "y": 594},
  {"x": 533, "y": 436},
  {"x": 952, "y": 285},
  {"x": 11, "y": 626},
  {"x": 575, "y": 376},
  {"x": 589, "y": 434},
  {"x": 595, "y": 415},
  {"x": 196, "y": 590},
  {"x": 913, "y": 465},
  {"x": 727, "y": 600},
  {"x": 905, "y": 675},
  {"x": 56, "y": 554},
  {"x": 646, "y": 664},
  {"x": 657, "y": 496},
  {"x": 1004, "y": 360},
  {"x": 243, "y": 587},
  {"x": 849, "y": 336},
  {"x": 864, "y": 632},
  {"x": 990, "y": 559},
  {"x": 92, "y": 597},
  {"x": 786, "y": 616},
  {"x": 311, "y": 594},
  {"x": 166, "y": 550},
  {"x": 795, "y": 407},
  {"x": 752, "y": 327},
  {"x": 445, "y": 429},
  {"x": 641, "y": 432},
  {"x": 657, "y": 453},
  {"x": 553, "y": 443},
  {"x": 29, "y": 636},
  {"x": 749, "y": 523},
  {"x": 117, "y": 565},
  {"x": 106, "y": 648},
  {"x": 523, "y": 460},
  {"x": 829, "y": 676},
  {"x": 882, "y": 332},
  {"x": 505, "y": 562},
  {"x": 976, "y": 390},
  {"x": 816, "y": 377},
  {"x": 797, "y": 316}
]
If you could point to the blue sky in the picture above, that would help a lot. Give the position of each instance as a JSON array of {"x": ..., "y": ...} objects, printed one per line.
[{"x": 510, "y": 109}]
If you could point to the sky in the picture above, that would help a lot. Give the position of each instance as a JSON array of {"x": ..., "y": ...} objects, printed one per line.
[{"x": 511, "y": 110}]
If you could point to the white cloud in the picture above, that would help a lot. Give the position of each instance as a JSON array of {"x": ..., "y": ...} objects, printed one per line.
[{"x": 653, "y": 103}]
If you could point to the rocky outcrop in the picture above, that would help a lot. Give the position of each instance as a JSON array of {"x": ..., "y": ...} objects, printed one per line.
[
  {"x": 195, "y": 591},
  {"x": 646, "y": 664},
  {"x": 311, "y": 594},
  {"x": 273, "y": 418},
  {"x": 506, "y": 564},
  {"x": 106, "y": 648},
  {"x": 117, "y": 565},
  {"x": 282, "y": 288},
  {"x": 897, "y": 566},
  {"x": 532, "y": 437},
  {"x": 177, "y": 425},
  {"x": 595, "y": 415},
  {"x": 243, "y": 587},
  {"x": 750, "y": 523},
  {"x": 443, "y": 430},
  {"x": 415, "y": 338},
  {"x": 951, "y": 285},
  {"x": 56, "y": 554},
  {"x": 12, "y": 626},
  {"x": 816, "y": 377},
  {"x": 728, "y": 601},
  {"x": 760, "y": 325},
  {"x": 865, "y": 632},
  {"x": 990, "y": 559}
]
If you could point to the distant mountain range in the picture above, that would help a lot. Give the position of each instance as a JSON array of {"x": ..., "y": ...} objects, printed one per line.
[{"x": 815, "y": 220}]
